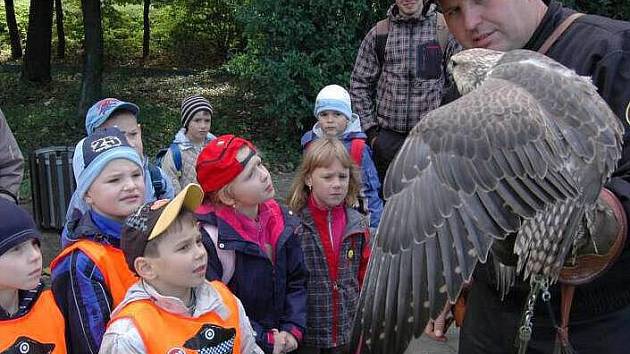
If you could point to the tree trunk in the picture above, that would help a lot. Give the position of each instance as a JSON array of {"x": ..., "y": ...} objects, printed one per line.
[
  {"x": 38, "y": 42},
  {"x": 93, "y": 58},
  {"x": 14, "y": 34},
  {"x": 147, "y": 30},
  {"x": 61, "y": 36}
]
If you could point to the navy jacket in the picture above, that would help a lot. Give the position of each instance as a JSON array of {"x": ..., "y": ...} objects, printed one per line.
[{"x": 273, "y": 294}]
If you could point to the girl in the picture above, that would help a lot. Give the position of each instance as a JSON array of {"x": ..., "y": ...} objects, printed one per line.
[
  {"x": 251, "y": 242},
  {"x": 90, "y": 276},
  {"x": 180, "y": 157},
  {"x": 334, "y": 238}
]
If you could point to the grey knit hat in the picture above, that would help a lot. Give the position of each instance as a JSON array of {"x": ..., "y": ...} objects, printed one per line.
[{"x": 193, "y": 104}]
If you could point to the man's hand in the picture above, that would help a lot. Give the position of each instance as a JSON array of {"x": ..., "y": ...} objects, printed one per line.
[{"x": 436, "y": 329}]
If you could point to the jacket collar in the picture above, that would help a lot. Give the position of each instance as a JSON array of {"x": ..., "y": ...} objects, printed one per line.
[
  {"x": 553, "y": 17},
  {"x": 227, "y": 234},
  {"x": 96, "y": 227},
  {"x": 356, "y": 222}
]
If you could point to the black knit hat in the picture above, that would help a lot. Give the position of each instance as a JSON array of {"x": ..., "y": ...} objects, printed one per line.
[
  {"x": 16, "y": 227},
  {"x": 193, "y": 104}
]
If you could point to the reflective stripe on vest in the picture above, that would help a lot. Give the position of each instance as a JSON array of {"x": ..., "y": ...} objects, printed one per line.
[
  {"x": 110, "y": 261},
  {"x": 165, "y": 332},
  {"x": 41, "y": 330}
]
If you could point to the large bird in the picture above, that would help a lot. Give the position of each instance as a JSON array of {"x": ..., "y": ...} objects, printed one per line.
[{"x": 514, "y": 168}]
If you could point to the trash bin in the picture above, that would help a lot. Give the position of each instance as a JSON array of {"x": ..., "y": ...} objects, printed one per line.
[{"x": 52, "y": 185}]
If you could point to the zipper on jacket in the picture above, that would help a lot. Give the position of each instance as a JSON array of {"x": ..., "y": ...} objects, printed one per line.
[
  {"x": 330, "y": 230},
  {"x": 410, "y": 75}
]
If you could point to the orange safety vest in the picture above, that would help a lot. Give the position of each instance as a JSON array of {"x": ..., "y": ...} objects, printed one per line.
[
  {"x": 165, "y": 332},
  {"x": 41, "y": 330},
  {"x": 110, "y": 261}
]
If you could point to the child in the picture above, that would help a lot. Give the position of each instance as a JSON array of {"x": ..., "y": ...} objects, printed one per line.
[
  {"x": 173, "y": 306},
  {"x": 90, "y": 275},
  {"x": 251, "y": 243},
  {"x": 334, "y": 115},
  {"x": 29, "y": 317},
  {"x": 334, "y": 239},
  {"x": 179, "y": 159},
  {"x": 111, "y": 112}
]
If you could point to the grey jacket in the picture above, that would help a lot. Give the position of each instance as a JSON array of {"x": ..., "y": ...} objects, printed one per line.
[
  {"x": 11, "y": 162},
  {"x": 189, "y": 153}
]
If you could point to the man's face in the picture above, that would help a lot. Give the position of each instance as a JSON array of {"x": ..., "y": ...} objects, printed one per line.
[
  {"x": 493, "y": 24},
  {"x": 408, "y": 7}
]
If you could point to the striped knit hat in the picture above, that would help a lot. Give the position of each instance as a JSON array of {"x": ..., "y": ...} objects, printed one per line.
[{"x": 193, "y": 104}]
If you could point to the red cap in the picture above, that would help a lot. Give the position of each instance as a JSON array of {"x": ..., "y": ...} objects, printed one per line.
[{"x": 217, "y": 164}]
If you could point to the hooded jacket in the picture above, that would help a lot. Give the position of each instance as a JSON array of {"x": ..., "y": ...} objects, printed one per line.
[
  {"x": 273, "y": 291},
  {"x": 189, "y": 153}
]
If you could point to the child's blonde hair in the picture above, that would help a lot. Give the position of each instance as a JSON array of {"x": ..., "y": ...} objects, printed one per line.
[{"x": 322, "y": 153}]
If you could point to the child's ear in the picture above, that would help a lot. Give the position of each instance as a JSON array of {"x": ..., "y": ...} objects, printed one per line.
[
  {"x": 145, "y": 268},
  {"x": 87, "y": 198},
  {"x": 226, "y": 199},
  {"x": 308, "y": 180}
]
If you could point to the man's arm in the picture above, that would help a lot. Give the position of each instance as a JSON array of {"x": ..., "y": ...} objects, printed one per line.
[
  {"x": 11, "y": 162},
  {"x": 363, "y": 82}
]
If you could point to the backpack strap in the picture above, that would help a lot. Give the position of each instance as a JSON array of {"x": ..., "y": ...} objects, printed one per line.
[
  {"x": 356, "y": 151},
  {"x": 226, "y": 257},
  {"x": 382, "y": 32},
  {"x": 156, "y": 180},
  {"x": 177, "y": 157}
]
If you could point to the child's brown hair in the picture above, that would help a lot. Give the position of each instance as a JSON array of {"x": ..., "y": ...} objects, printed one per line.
[{"x": 322, "y": 153}]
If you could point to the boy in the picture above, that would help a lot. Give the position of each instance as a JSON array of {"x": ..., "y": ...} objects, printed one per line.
[
  {"x": 30, "y": 321},
  {"x": 111, "y": 112},
  {"x": 172, "y": 306},
  {"x": 333, "y": 111},
  {"x": 178, "y": 161},
  {"x": 90, "y": 276}
]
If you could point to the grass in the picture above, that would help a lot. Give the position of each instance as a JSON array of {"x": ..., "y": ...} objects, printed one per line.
[{"x": 42, "y": 116}]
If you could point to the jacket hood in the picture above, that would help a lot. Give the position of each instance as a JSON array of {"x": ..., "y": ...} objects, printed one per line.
[
  {"x": 353, "y": 130},
  {"x": 185, "y": 143}
]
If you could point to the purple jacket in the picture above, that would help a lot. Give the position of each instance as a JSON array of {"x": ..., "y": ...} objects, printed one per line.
[{"x": 273, "y": 293}]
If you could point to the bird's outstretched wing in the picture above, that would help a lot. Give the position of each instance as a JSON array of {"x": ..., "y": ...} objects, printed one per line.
[{"x": 468, "y": 174}]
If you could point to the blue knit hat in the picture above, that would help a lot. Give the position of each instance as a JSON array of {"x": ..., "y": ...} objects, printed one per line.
[
  {"x": 333, "y": 98},
  {"x": 16, "y": 227},
  {"x": 103, "y": 109},
  {"x": 103, "y": 146}
]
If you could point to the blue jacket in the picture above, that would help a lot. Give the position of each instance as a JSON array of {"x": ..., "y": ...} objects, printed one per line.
[
  {"x": 79, "y": 286},
  {"x": 273, "y": 295},
  {"x": 371, "y": 185}
]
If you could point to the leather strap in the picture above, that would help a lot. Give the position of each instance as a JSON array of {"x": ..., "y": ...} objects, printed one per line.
[
  {"x": 558, "y": 32},
  {"x": 566, "y": 292}
]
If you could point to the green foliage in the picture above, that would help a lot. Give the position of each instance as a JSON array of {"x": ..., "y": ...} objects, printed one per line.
[
  {"x": 294, "y": 48},
  {"x": 617, "y": 9},
  {"x": 188, "y": 33}
]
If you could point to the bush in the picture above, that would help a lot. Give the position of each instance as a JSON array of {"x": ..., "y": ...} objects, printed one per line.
[
  {"x": 294, "y": 48},
  {"x": 617, "y": 9}
]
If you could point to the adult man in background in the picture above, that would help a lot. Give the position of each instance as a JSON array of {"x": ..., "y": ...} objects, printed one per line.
[
  {"x": 11, "y": 163},
  {"x": 593, "y": 46},
  {"x": 399, "y": 75}
]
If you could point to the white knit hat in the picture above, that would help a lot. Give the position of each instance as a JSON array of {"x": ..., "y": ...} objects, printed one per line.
[{"x": 333, "y": 98}]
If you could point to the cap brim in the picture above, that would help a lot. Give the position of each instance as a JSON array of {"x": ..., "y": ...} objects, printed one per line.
[
  {"x": 190, "y": 198},
  {"x": 127, "y": 106}
]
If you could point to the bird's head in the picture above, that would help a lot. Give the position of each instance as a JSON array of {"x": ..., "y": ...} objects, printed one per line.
[{"x": 471, "y": 67}]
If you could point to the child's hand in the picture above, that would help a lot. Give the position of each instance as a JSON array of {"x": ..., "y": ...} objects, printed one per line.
[
  {"x": 279, "y": 341},
  {"x": 291, "y": 343}
]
